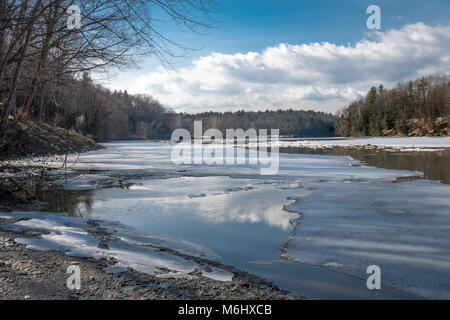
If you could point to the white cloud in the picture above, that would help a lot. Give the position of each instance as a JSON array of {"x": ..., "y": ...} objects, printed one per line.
[{"x": 320, "y": 76}]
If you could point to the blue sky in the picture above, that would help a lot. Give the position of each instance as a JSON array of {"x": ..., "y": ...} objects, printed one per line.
[
  {"x": 245, "y": 26},
  {"x": 253, "y": 25}
]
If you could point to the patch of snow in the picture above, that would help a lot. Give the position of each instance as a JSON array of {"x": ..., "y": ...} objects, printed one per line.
[
  {"x": 413, "y": 143},
  {"x": 216, "y": 274},
  {"x": 136, "y": 237},
  {"x": 417, "y": 149}
]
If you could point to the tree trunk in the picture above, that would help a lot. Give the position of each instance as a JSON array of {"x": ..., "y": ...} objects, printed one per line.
[{"x": 11, "y": 102}]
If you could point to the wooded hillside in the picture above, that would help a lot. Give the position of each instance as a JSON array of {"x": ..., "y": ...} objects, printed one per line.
[
  {"x": 47, "y": 53},
  {"x": 420, "y": 107},
  {"x": 290, "y": 122}
]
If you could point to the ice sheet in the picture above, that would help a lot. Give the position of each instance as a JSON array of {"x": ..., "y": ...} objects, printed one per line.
[
  {"x": 141, "y": 253},
  {"x": 402, "y": 227},
  {"x": 410, "y": 143},
  {"x": 138, "y": 158}
]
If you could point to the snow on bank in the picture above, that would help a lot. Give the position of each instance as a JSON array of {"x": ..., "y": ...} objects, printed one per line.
[
  {"x": 136, "y": 250},
  {"x": 402, "y": 227},
  {"x": 410, "y": 143}
]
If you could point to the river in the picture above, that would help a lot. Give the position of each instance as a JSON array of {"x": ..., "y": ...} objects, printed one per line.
[{"x": 306, "y": 228}]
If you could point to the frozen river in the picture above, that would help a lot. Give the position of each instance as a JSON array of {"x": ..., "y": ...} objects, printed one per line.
[{"x": 313, "y": 228}]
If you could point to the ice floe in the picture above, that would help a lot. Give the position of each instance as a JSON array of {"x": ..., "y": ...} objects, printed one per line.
[
  {"x": 134, "y": 250},
  {"x": 139, "y": 158},
  {"x": 410, "y": 143},
  {"x": 402, "y": 227}
]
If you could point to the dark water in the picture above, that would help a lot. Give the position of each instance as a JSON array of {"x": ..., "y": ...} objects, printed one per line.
[{"x": 434, "y": 165}]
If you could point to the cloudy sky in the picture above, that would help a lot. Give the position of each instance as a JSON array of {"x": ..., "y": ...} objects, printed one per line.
[{"x": 299, "y": 54}]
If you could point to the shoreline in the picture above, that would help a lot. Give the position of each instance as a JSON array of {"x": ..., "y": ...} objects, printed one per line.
[
  {"x": 26, "y": 273},
  {"x": 32, "y": 274},
  {"x": 383, "y": 143},
  {"x": 37, "y": 275}
]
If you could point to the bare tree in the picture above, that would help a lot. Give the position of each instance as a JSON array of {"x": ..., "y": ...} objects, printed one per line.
[{"x": 38, "y": 52}]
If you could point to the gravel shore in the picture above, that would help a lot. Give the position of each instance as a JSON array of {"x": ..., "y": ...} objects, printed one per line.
[{"x": 29, "y": 274}]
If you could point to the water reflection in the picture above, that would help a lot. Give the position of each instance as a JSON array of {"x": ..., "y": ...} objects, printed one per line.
[
  {"x": 241, "y": 220},
  {"x": 434, "y": 165},
  {"x": 58, "y": 200},
  {"x": 211, "y": 199}
]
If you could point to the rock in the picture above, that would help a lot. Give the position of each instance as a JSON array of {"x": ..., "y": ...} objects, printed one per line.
[{"x": 103, "y": 245}]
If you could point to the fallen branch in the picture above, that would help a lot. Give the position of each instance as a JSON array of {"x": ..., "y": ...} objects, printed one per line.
[{"x": 22, "y": 188}]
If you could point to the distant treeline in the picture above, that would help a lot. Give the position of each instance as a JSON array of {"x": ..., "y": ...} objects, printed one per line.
[
  {"x": 289, "y": 122},
  {"x": 102, "y": 114},
  {"x": 106, "y": 115},
  {"x": 419, "y": 107}
]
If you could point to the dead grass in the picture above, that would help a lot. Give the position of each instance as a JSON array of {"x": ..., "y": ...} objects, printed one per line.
[{"x": 28, "y": 138}]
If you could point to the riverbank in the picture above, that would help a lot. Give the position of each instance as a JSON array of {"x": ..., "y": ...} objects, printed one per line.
[{"x": 29, "y": 139}]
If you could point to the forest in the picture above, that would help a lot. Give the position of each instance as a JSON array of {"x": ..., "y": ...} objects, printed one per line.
[
  {"x": 290, "y": 122},
  {"x": 46, "y": 66},
  {"x": 416, "y": 108},
  {"x": 102, "y": 114},
  {"x": 45, "y": 61}
]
